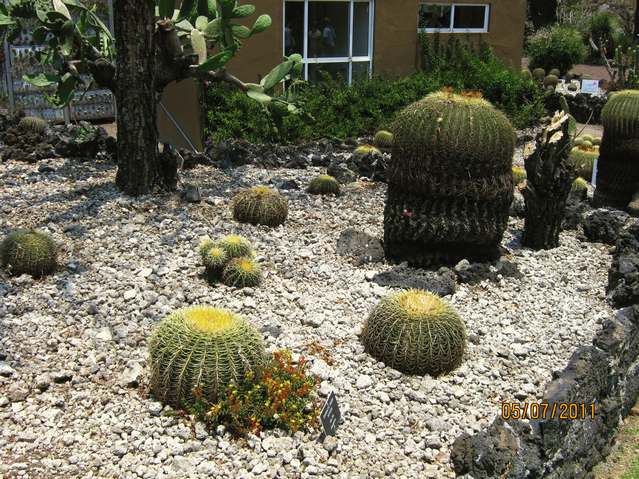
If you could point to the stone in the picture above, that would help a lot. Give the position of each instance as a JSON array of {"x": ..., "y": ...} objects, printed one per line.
[
  {"x": 364, "y": 381},
  {"x": 192, "y": 194},
  {"x": 131, "y": 376},
  {"x": 603, "y": 225},
  {"x": 6, "y": 370},
  {"x": 341, "y": 172},
  {"x": 361, "y": 246},
  {"x": 441, "y": 282}
]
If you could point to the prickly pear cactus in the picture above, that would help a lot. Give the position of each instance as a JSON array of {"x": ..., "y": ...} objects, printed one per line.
[
  {"x": 29, "y": 251},
  {"x": 204, "y": 348},
  {"x": 450, "y": 182},
  {"x": 415, "y": 332}
]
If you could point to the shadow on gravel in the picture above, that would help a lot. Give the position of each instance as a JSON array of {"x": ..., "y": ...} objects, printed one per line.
[{"x": 441, "y": 282}]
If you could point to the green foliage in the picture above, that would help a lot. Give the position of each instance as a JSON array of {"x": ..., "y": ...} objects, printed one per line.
[
  {"x": 342, "y": 111},
  {"x": 199, "y": 352},
  {"x": 236, "y": 246},
  {"x": 605, "y": 30},
  {"x": 383, "y": 139},
  {"x": 242, "y": 272},
  {"x": 29, "y": 252},
  {"x": 260, "y": 205},
  {"x": 450, "y": 181},
  {"x": 519, "y": 174},
  {"x": 32, "y": 123},
  {"x": 558, "y": 47},
  {"x": 282, "y": 396},
  {"x": 324, "y": 185},
  {"x": 415, "y": 332}
]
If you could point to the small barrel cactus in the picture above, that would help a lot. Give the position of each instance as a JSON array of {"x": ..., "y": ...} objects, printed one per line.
[
  {"x": 551, "y": 81},
  {"x": 383, "y": 139},
  {"x": 572, "y": 87},
  {"x": 584, "y": 158},
  {"x": 260, "y": 205},
  {"x": 32, "y": 123},
  {"x": 618, "y": 166},
  {"x": 450, "y": 181},
  {"x": 415, "y": 332},
  {"x": 205, "y": 245},
  {"x": 579, "y": 189},
  {"x": 324, "y": 185},
  {"x": 555, "y": 71},
  {"x": 215, "y": 259},
  {"x": 539, "y": 74},
  {"x": 596, "y": 141},
  {"x": 519, "y": 174},
  {"x": 242, "y": 272},
  {"x": 235, "y": 246},
  {"x": 205, "y": 349},
  {"x": 569, "y": 77},
  {"x": 364, "y": 150},
  {"x": 29, "y": 252},
  {"x": 588, "y": 138},
  {"x": 526, "y": 74}
]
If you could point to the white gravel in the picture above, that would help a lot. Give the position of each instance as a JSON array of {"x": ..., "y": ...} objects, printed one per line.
[{"x": 74, "y": 343}]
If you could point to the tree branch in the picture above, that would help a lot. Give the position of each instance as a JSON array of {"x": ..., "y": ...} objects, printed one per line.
[{"x": 218, "y": 76}]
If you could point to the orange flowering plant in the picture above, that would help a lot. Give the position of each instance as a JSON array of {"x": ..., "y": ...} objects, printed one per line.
[{"x": 282, "y": 396}]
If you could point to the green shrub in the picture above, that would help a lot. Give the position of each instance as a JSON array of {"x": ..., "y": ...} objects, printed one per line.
[
  {"x": 324, "y": 185},
  {"x": 242, "y": 272},
  {"x": 29, "y": 252},
  {"x": 283, "y": 396},
  {"x": 260, "y": 205},
  {"x": 605, "y": 30},
  {"x": 558, "y": 47},
  {"x": 235, "y": 246},
  {"x": 415, "y": 332},
  {"x": 32, "y": 123},
  {"x": 199, "y": 351}
]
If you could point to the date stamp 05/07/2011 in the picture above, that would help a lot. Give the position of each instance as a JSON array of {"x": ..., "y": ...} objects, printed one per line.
[{"x": 558, "y": 410}]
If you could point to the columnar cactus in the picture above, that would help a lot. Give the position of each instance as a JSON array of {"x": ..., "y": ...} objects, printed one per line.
[
  {"x": 324, "y": 185},
  {"x": 415, "y": 332},
  {"x": 450, "y": 183},
  {"x": 260, "y": 205},
  {"x": 29, "y": 252},
  {"x": 204, "y": 349},
  {"x": 618, "y": 166},
  {"x": 32, "y": 123}
]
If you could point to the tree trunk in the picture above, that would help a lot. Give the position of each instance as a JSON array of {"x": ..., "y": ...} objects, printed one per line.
[
  {"x": 636, "y": 19},
  {"x": 138, "y": 159},
  {"x": 544, "y": 218},
  {"x": 543, "y": 12}
]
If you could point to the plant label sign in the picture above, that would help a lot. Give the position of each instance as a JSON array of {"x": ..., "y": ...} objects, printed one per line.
[
  {"x": 330, "y": 416},
  {"x": 590, "y": 87}
]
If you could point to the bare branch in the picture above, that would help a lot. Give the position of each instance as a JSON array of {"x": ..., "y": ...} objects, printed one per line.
[{"x": 219, "y": 76}]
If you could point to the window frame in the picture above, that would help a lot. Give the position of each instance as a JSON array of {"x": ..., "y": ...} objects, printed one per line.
[
  {"x": 350, "y": 59},
  {"x": 451, "y": 28}
]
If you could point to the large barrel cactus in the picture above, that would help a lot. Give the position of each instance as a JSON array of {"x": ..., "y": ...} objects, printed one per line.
[
  {"x": 29, "y": 252},
  {"x": 450, "y": 183},
  {"x": 202, "y": 348},
  {"x": 415, "y": 332},
  {"x": 618, "y": 166}
]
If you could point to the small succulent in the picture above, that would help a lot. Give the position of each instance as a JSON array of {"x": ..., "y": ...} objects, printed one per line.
[
  {"x": 29, "y": 251},
  {"x": 324, "y": 185},
  {"x": 519, "y": 174},
  {"x": 260, "y": 205},
  {"x": 32, "y": 123},
  {"x": 383, "y": 139},
  {"x": 242, "y": 272},
  {"x": 215, "y": 260},
  {"x": 589, "y": 138},
  {"x": 235, "y": 246},
  {"x": 205, "y": 349},
  {"x": 596, "y": 141},
  {"x": 586, "y": 143}
]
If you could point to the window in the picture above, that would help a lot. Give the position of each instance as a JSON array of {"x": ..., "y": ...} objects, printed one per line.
[
  {"x": 333, "y": 36},
  {"x": 457, "y": 17}
]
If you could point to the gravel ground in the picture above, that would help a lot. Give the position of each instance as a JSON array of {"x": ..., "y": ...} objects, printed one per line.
[{"x": 73, "y": 344}]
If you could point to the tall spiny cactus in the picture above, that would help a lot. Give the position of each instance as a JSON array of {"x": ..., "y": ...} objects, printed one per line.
[
  {"x": 204, "y": 348},
  {"x": 450, "y": 182},
  {"x": 618, "y": 166},
  {"x": 550, "y": 175}
]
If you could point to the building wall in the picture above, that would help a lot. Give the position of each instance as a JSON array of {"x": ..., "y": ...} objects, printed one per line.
[{"x": 396, "y": 39}]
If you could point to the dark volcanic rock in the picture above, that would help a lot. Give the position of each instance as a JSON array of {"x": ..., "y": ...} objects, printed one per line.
[
  {"x": 604, "y": 225},
  {"x": 441, "y": 282},
  {"x": 361, "y": 246}
]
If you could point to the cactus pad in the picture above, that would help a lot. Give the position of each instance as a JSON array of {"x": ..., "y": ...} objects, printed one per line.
[
  {"x": 324, "y": 185},
  {"x": 415, "y": 332},
  {"x": 204, "y": 348},
  {"x": 260, "y": 205},
  {"x": 242, "y": 273},
  {"x": 29, "y": 251}
]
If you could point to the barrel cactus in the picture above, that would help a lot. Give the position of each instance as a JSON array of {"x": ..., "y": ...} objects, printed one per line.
[
  {"x": 324, "y": 185},
  {"x": 579, "y": 189},
  {"x": 205, "y": 349},
  {"x": 450, "y": 181},
  {"x": 584, "y": 158},
  {"x": 215, "y": 259},
  {"x": 618, "y": 166},
  {"x": 415, "y": 332},
  {"x": 235, "y": 246},
  {"x": 551, "y": 81},
  {"x": 260, "y": 205},
  {"x": 519, "y": 174},
  {"x": 32, "y": 123},
  {"x": 526, "y": 74},
  {"x": 242, "y": 272},
  {"x": 29, "y": 252},
  {"x": 555, "y": 72},
  {"x": 364, "y": 150},
  {"x": 383, "y": 139},
  {"x": 539, "y": 74}
]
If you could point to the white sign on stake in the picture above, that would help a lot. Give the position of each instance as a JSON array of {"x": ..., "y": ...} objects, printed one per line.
[{"x": 590, "y": 87}]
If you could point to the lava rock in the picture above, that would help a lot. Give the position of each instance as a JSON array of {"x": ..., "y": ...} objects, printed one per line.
[
  {"x": 441, "y": 282},
  {"x": 361, "y": 246},
  {"x": 604, "y": 225}
]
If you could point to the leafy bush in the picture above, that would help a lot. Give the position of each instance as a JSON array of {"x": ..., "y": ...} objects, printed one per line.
[
  {"x": 282, "y": 396},
  {"x": 605, "y": 30},
  {"x": 342, "y": 111},
  {"x": 559, "y": 47}
]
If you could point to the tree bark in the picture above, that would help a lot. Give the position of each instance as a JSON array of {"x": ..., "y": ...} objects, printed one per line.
[{"x": 138, "y": 161}]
